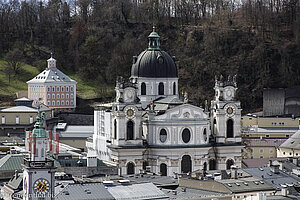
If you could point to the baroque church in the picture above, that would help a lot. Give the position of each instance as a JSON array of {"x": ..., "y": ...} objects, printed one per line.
[{"x": 149, "y": 126}]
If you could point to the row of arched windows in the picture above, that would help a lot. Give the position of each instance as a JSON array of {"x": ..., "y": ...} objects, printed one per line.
[
  {"x": 161, "y": 89},
  {"x": 186, "y": 165}
]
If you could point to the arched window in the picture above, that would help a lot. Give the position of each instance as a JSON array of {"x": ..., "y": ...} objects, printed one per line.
[
  {"x": 229, "y": 128},
  {"x": 163, "y": 169},
  {"x": 161, "y": 89},
  {"x": 130, "y": 130},
  {"x": 229, "y": 163},
  {"x": 186, "y": 164},
  {"x": 186, "y": 135},
  {"x": 205, "y": 166},
  {"x": 143, "y": 89},
  {"x": 163, "y": 135},
  {"x": 115, "y": 129},
  {"x": 205, "y": 135},
  {"x": 212, "y": 164},
  {"x": 130, "y": 168},
  {"x": 174, "y": 88}
]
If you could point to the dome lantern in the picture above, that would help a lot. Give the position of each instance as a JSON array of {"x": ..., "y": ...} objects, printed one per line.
[{"x": 154, "y": 42}]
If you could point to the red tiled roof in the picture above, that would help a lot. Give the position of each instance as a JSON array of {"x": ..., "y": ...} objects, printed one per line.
[
  {"x": 264, "y": 142},
  {"x": 259, "y": 162}
]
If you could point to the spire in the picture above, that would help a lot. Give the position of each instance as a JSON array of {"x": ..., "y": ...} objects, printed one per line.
[
  {"x": 39, "y": 129},
  {"x": 153, "y": 38},
  {"x": 51, "y": 62}
]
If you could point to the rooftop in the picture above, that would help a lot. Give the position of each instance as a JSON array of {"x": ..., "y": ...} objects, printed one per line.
[
  {"x": 265, "y": 142},
  {"x": 293, "y": 142},
  {"x": 276, "y": 180},
  {"x": 84, "y": 191}
]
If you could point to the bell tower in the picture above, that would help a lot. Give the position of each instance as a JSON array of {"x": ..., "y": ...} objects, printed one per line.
[
  {"x": 226, "y": 111},
  {"x": 38, "y": 175}
]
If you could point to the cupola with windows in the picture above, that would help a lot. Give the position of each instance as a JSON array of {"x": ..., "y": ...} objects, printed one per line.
[
  {"x": 154, "y": 72},
  {"x": 153, "y": 62}
]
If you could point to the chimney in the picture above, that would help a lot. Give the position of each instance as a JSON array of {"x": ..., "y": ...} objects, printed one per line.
[
  {"x": 217, "y": 176},
  {"x": 275, "y": 169},
  {"x": 284, "y": 190},
  {"x": 295, "y": 161},
  {"x": 234, "y": 173},
  {"x": 270, "y": 163}
]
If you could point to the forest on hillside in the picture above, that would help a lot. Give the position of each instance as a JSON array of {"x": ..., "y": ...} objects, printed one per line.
[{"x": 259, "y": 40}]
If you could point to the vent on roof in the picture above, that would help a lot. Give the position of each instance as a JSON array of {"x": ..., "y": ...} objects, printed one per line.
[
  {"x": 229, "y": 185},
  {"x": 66, "y": 192},
  {"x": 52, "y": 77},
  {"x": 245, "y": 183},
  {"x": 261, "y": 169},
  {"x": 124, "y": 181},
  {"x": 237, "y": 184},
  {"x": 261, "y": 182},
  {"x": 269, "y": 174},
  {"x": 108, "y": 182},
  {"x": 256, "y": 182},
  {"x": 57, "y": 77},
  {"x": 88, "y": 191}
]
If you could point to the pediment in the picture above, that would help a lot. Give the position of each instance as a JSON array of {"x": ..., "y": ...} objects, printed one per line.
[{"x": 184, "y": 112}]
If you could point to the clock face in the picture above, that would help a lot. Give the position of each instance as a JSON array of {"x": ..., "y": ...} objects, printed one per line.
[
  {"x": 41, "y": 186},
  {"x": 130, "y": 112},
  {"x": 229, "y": 110}
]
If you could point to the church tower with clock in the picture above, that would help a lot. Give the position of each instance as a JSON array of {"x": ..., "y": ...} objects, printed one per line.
[
  {"x": 226, "y": 111},
  {"x": 38, "y": 175}
]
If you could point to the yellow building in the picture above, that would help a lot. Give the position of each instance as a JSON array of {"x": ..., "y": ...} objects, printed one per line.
[
  {"x": 269, "y": 127},
  {"x": 16, "y": 120},
  {"x": 261, "y": 148},
  {"x": 291, "y": 147}
]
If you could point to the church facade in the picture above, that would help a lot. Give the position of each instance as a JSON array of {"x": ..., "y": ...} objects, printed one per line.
[{"x": 149, "y": 126}]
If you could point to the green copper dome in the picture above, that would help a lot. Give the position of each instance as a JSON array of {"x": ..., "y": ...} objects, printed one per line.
[{"x": 38, "y": 126}]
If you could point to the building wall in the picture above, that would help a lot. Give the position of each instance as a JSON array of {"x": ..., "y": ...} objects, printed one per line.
[
  {"x": 79, "y": 143},
  {"x": 24, "y": 117},
  {"x": 284, "y": 152},
  {"x": 53, "y": 95},
  {"x": 260, "y": 152}
]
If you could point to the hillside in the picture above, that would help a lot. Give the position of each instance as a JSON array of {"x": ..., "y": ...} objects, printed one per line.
[
  {"x": 94, "y": 41},
  {"x": 8, "y": 90}
]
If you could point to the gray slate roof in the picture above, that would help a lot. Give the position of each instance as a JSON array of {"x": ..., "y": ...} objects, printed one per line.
[
  {"x": 242, "y": 185},
  {"x": 136, "y": 191},
  {"x": 51, "y": 75},
  {"x": 276, "y": 180},
  {"x": 293, "y": 142},
  {"x": 11, "y": 162},
  {"x": 191, "y": 193},
  {"x": 84, "y": 191}
]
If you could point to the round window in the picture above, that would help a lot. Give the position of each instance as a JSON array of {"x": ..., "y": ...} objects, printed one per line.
[
  {"x": 163, "y": 135},
  {"x": 205, "y": 135},
  {"x": 186, "y": 135}
]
